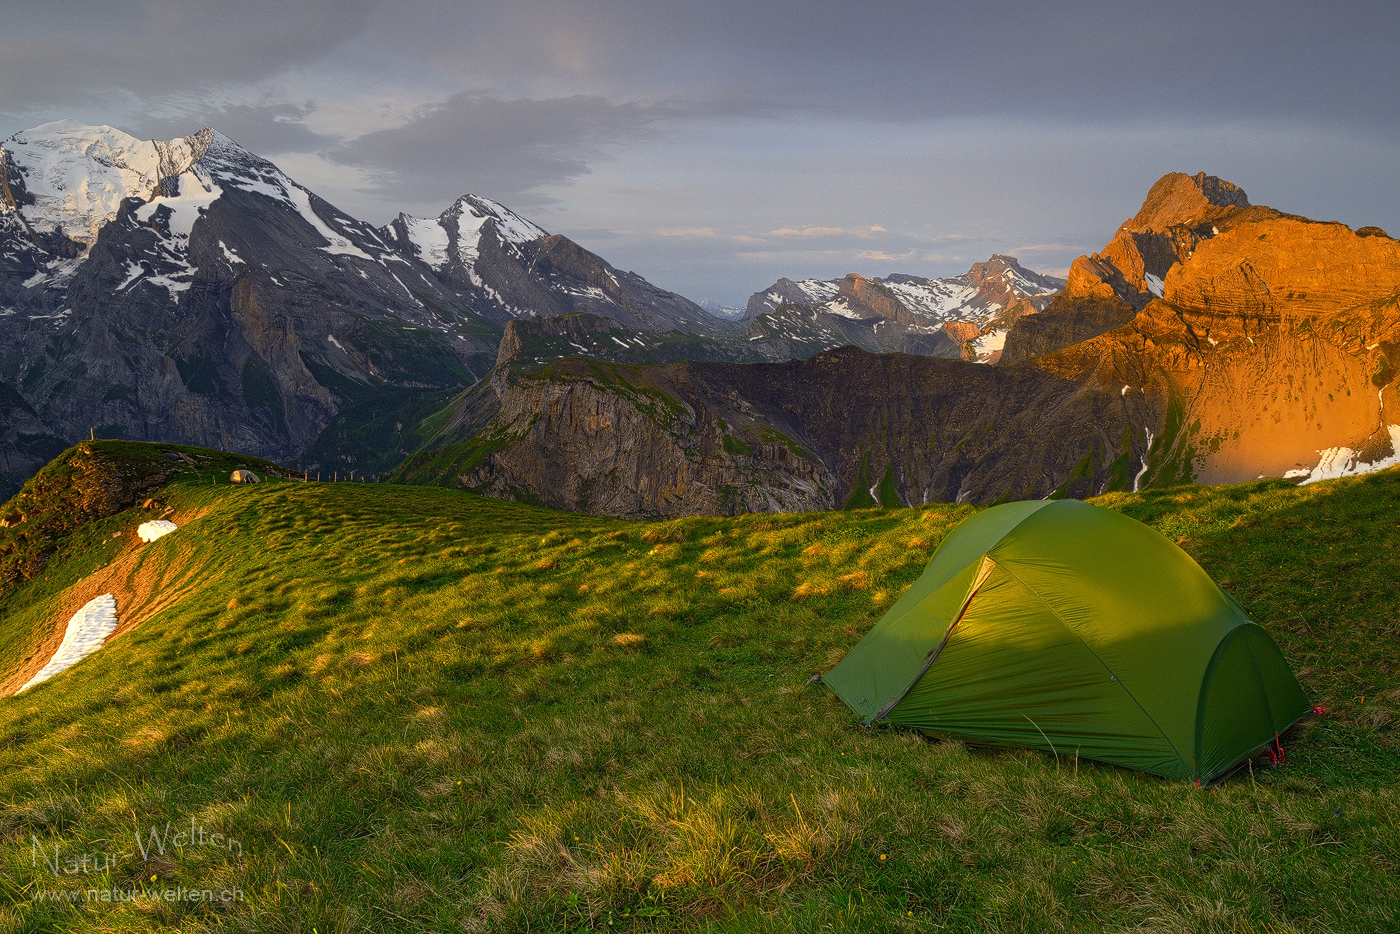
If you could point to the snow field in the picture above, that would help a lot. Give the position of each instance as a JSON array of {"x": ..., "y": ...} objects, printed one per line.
[{"x": 87, "y": 631}]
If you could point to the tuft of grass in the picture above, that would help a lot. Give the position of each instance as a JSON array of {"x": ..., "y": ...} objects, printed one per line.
[{"x": 416, "y": 709}]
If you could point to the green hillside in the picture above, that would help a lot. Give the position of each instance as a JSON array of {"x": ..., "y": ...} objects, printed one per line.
[{"x": 413, "y": 709}]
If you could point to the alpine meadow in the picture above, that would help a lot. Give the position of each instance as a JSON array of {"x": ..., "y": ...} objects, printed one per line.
[{"x": 578, "y": 466}]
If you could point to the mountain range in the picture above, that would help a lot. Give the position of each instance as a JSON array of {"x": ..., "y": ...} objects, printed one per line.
[
  {"x": 964, "y": 315},
  {"x": 189, "y": 290},
  {"x": 1210, "y": 341}
]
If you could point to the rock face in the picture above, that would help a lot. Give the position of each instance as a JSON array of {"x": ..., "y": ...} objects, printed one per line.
[
  {"x": 1210, "y": 341},
  {"x": 190, "y": 291},
  {"x": 1271, "y": 335},
  {"x": 531, "y": 343},
  {"x": 1106, "y": 289},
  {"x": 792, "y": 320},
  {"x": 842, "y": 428}
]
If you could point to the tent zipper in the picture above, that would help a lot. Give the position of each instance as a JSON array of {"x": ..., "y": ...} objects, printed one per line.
[{"x": 985, "y": 571}]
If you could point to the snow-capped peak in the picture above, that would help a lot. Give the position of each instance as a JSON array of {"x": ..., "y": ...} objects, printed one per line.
[
  {"x": 432, "y": 238},
  {"x": 79, "y": 175},
  {"x": 472, "y": 211}
]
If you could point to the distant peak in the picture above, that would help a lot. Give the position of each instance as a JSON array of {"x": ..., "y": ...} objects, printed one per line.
[
  {"x": 510, "y": 226},
  {"x": 1178, "y": 198},
  {"x": 977, "y": 273}
]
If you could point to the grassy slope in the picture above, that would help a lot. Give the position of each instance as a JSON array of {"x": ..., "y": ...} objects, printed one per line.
[
  {"x": 69, "y": 508},
  {"x": 420, "y": 710}
]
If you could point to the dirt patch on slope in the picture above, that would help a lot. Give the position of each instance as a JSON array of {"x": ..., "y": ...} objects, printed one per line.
[{"x": 141, "y": 588}]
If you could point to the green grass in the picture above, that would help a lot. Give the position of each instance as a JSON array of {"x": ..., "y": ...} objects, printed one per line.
[{"x": 416, "y": 709}]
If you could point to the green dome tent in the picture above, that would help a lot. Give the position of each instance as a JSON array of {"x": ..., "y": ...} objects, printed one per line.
[{"x": 1066, "y": 627}]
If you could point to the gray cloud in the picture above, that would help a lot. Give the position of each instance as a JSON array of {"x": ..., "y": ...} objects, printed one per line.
[
  {"x": 267, "y": 128},
  {"x": 504, "y": 148},
  {"x": 75, "y": 53},
  {"x": 962, "y": 128},
  {"x": 1092, "y": 59}
]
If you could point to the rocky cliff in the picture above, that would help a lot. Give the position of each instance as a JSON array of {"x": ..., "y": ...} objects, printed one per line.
[
  {"x": 842, "y": 428},
  {"x": 1105, "y": 290},
  {"x": 1274, "y": 340}
]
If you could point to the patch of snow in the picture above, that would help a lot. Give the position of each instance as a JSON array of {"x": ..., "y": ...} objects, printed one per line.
[
  {"x": 818, "y": 290},
  {"x": 620, "y": 344},
  {"x": 591, "y": 291},
  {"x": 472, "y": 213},
  {"x": 429, "y": 239},
  {"x": 942, "y": 299},
  {"x": 79, "y": 175},
  {"x": 1294, "y": 474},
  {"x": 273, "y": 184},
  {"x": 1213, "y": 341},
  {"x": 87, "y": 631},
  {"x": 1344, "y": 462},
  {"x": 406, "y": 289},
  {"x": 511, "y": 227},
  {"x": 197, "y": 192},
  {"x": 171, "y": 285},
  {"x": 1137, "y": 480},
  {"x": 134, "y": 271},
  {"x": 301, "y": 200},
  {"x": 1154, "y": 284},
  {"x": 156, "y": 528},
  {"x": 229, "y": 255},
  {"x": 331, "y": 338},
  {"x": 988, "y": 347},
  {"x": 842, "y": 307},
  {"x": 1125, "y": 390}
]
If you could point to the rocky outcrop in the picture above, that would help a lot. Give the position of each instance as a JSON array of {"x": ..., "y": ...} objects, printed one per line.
[
  {"x": 960, "y": 332},
  {"x": 1178, "y": 199},
  {"x": 1066, "y": 323},
  {"x": 531, "y": 343},
  {"x": 836, "y": 429},
  {"x": 871, "y": 298},
  {"x": 87, "y": 483},
  {"x": 1106, "y": 289},
  {"x": 1275, "y": 343}
]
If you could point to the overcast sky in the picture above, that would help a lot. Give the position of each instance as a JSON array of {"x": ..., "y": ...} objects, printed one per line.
[{"x": 713, "y": 146}]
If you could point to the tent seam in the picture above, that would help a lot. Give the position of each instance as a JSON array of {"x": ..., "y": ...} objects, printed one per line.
[
  {"x": 1239, "y": 632},
  {"x": 983, "y": 573},
  {"x": 1080, "y": 639},
  {"x": 1204, "y": 696}
]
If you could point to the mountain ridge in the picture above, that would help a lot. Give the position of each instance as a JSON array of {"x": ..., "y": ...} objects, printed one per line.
[
  {"x": 190, "y": 291},
  {"x": 1264, "y": 351}
]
